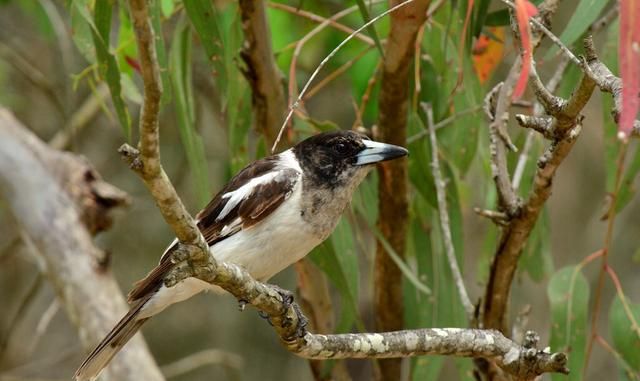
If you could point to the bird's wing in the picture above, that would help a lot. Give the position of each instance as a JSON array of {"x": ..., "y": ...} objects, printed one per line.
[{"x": 252, "y": 195}]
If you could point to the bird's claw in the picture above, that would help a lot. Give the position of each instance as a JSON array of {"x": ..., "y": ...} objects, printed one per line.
[{"x": 288, "y": 302}]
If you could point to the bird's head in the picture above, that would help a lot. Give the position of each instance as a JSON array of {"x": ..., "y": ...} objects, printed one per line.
[{"x": 342, "y": 157}]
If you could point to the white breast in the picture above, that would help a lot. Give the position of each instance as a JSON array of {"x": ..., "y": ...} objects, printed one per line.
[{"x": 263, "y": 250}]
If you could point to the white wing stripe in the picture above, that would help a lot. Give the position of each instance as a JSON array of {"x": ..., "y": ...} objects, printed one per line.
[{"x": 236, "y": 196}]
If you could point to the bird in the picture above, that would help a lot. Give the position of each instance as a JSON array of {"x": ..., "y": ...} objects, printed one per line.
[{"x": 268, "y": 216}]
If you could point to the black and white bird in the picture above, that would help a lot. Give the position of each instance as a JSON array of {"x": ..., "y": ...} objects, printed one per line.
[{"x": 270, "y": 215}]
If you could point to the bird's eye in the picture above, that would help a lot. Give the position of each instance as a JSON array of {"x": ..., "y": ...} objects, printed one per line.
[{"x": 341, "y": 148}]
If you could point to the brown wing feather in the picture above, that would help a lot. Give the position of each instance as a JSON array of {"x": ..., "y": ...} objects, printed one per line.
[{"x": 264, "y": 199}]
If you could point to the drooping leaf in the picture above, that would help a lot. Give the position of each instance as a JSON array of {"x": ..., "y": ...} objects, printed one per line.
[
  {"x": 420, "y": 165},
  {"x": 81, "y": 30},
  {"x": 524, "y": 10},
  {"x": 107, "y": 62},
  {"x": 371, "y": 29},
  {"x": 180, "y": 66},
  {"x": 629, "y": 52},
  {"x": 161, "y": 51},
  {"x": 536, "y": 257},
  {"x": 481, "y": 16},
  {"x": 337, "y": 258},
  {"x": 204, "y": 18},
  {"x": 625, "y": 331},
  {"x": 498, "y": 18},
  {"x": 568, "y": 293}
]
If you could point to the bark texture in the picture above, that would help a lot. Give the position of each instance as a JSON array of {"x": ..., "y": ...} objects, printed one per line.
[
  {"x": 267, "y": 90},
  {"x": 393, "y": 198}
]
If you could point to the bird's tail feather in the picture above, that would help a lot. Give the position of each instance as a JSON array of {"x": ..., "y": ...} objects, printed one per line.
[{"x": 112, "y": 343}]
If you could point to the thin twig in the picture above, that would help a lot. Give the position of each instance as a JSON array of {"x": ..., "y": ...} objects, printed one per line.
[
  {"x": 444, "y": 123},
  {"x": 444, "y": 216},
  {"x": 200, "y": 359},
  {"x": 537, "y": 24},
  {"x": 319, "y": 19},
  {"x": 295, "y": 104},
  {"x": 606, "y": 248}
]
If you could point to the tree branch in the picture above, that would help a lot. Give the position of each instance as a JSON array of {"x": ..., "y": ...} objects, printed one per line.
[
  {"x": 33, "y": 179},
  {"x": 393, "y": 200},
  {"x": 444, "y": 217},
  {"x": 562, "y": 127},
  {"x": 268, "y": 98}
]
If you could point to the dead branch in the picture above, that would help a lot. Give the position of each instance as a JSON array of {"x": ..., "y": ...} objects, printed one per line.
[{"x": 45, "y": 191}]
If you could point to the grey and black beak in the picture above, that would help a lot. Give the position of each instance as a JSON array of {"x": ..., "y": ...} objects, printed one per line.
[{"x": 376, "y": 152}]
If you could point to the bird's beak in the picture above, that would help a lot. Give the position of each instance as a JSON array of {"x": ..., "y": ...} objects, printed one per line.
[{"x": 376, "y": 152}]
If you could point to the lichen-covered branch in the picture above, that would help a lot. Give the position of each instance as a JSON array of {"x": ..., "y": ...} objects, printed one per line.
[
  {"x": 58, "y": 201},
  {"x": 267, "y": 91},
  {"x": 393, "y": 200},
  {"x": 523, "y": 362}
]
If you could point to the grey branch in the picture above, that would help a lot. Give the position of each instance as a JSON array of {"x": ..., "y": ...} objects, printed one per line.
[
  {"x": 561, "y": 126},
  {"x": 606, "y": 81},
  {"x": 42, "y": 188},
  {"x": 444, "y": 216}
]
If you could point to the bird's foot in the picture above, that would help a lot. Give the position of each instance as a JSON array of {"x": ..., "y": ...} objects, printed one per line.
[{"x": 285, "y": 320}]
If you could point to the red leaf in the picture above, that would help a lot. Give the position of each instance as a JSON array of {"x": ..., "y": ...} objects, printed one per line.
[
  {"x": 524, "y": 10},
  {"x": 629, "y": 51},
  {"x": 135, "y": 65}
]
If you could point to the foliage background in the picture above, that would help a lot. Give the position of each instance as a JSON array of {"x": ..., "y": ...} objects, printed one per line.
[{"x": 206, "y": 137}]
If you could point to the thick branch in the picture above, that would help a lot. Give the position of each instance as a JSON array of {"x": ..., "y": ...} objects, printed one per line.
[
  {"x": 523, "y": 363},
  {"x": 267, "y": 93},
  {"x": 393, "y": 197},
  {"x": 563, "y": 130},
  {"x": 31, "y": 175}
]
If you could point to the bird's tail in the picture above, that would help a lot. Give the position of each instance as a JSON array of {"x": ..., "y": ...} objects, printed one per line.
[{"x": 112, "y": 343}]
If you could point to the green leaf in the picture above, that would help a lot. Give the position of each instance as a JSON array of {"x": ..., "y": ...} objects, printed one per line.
[
  {"x": 627, "y": 188},
  {"x": 336, "y": 257},
  {"x": 536, "y": 257},
  {"x": 81, "y": 33},
  {"x": 421, "y": 309},
  {"x": 204, "y": 19},
  {"x": 481, "y": 17},
  {"x": 568, "y": 293},
  {"x": 371, "y": 29},
  {"x": 420, "y": 163},
  {"x": 180, "y": 58},
  {"x": 100, "y": 28},
  {"x": 167, "y": 7},
  {"x": 586, "y": 12},
  {"x": 161, "y": 51},
  {"x": 625, "y": 331},
  {"x": 404, "y": 268},
  {"x": 497, "y": 18}
]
